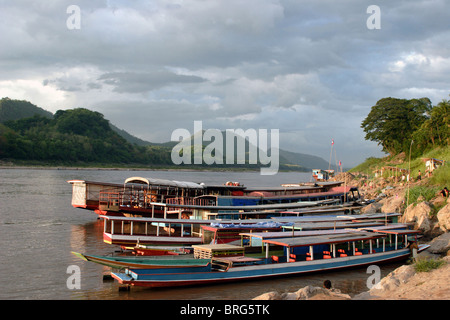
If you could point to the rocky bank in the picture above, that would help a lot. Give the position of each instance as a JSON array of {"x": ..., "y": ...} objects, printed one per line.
[{"x": 404, "y": 283}]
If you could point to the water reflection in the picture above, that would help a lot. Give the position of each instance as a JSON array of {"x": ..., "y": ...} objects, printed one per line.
[
  {"x": 39, "y": 229},
  {"x": 87, "y": 238}
]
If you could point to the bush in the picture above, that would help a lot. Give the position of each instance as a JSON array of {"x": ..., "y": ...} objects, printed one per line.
[
  {"x": 426, "y": 265},
  {"x": 441, "y": 175},
  {"x": 428, "y": 192}
]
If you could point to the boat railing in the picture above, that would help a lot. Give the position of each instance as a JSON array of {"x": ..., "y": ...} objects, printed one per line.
[
  {"x": 144, "y": 228},
  {"x": 339, "y": 253},
  {"x": 109, "y": 201},
  {"x": 189, "y": 201}
]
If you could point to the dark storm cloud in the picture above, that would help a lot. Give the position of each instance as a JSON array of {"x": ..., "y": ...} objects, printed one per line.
[
  {"x": 310, "y": 68},
  {"x": 143, "y": 82}
]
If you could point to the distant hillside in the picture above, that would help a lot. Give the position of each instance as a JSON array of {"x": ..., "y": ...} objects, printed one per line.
[
  {"x": 304, "y": 160},
  {"x": 76, "y": 136},
  {"x": 288, "y": 160},
  {"x": 130, "y": 138},
  {"x": 73, "y": 137},
  {"x": 18, "y": 109}
]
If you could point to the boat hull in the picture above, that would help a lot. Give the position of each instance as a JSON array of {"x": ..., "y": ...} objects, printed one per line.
[
  {"x": 136, "y": 278},
  {"x": 185, "y": 264},
  {"x": 131, "y": 240}
]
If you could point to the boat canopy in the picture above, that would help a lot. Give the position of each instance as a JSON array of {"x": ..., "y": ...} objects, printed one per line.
[
  {"x": 164, "y": 182},
  {"x": 326, "y": 239}
]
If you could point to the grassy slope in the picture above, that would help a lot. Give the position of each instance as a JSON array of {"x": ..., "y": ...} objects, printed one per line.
[
  {"x": 428, "y": 188},
  {"x": 441, "y": 176}
]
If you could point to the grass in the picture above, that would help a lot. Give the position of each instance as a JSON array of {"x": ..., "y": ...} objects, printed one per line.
[
  {"x": 426, "y": 265},
  {"x": 440, "y": 177},
  {"x": 428, "y": 192},
  {"x": 369, "y": 165}
]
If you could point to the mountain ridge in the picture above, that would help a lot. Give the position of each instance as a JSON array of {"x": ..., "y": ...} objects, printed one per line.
[{"x": 14, "y": 112}]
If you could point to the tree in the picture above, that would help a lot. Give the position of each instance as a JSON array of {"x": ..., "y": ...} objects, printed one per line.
[
  {"x": 392, "y": 122},
  {"x": 435, "y": 131},
  {"x": 82, "y": 121}
]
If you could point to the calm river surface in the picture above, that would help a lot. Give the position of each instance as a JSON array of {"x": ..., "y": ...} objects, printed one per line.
[{"x": 39, "y": 228}]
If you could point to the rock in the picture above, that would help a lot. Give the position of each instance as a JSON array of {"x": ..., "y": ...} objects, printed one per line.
[
  {"x": 420, "y": 215},
  {"x": 306, "y": 293},
  {"x": 344, "y": 177},
  {"x": 421, "y": 198},
  {"x": 441, "y": 244},
  {"x": 443, "y": 217},
  {"x": 333, "y": 296},
  {"x": 318, "y": 293},
  {"x": 393, "y": 279},
  {"x": 393, "y": 204},
  {"x": 273, "y": 295},
  {"x": 290, "y": 296},
  {"x": 374, "y": 207},
  {"x": 438, "y": 201}
]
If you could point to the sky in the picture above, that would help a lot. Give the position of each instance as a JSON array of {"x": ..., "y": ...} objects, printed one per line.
[{"x": 312, "y": 69}]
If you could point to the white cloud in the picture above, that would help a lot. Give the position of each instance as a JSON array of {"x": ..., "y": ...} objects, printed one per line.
[{"x": 310, "y": 68}]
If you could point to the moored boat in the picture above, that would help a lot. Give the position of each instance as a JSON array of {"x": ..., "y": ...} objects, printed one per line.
[
  {"x": 147, "y": 262},
  {"x": 154, "y": 250},
  {"x": 138, "y": 196},
  {"x": 301, "y": 255},
  {"x": 126, "y": 231}
]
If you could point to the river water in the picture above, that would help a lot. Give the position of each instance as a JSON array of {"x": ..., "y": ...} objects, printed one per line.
[{"x": 39, "y": 228}]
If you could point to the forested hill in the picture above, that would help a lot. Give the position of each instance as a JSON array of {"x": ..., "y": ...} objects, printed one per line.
[
  {"x": 19, "y": 109},
  {"x": 83, "y": 137},
  {"x": 71, "y": 137}
]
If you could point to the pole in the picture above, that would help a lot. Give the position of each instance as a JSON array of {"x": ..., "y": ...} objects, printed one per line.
[
  {"x": 409, "y": 173},
  {"x": 329, "y": 162}
]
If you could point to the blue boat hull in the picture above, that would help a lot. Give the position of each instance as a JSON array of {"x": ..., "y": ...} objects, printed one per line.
[{"x": 173, "y": 279}]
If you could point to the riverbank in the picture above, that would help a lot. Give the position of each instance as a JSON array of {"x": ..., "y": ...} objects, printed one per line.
[
  {"x": 127, "y": 168},
  {"x": 404, "y": 283},
  {"x": 427, "y": 209},
  {"x": 424, "y": 208},
  {"x": 115, "y": 167}
]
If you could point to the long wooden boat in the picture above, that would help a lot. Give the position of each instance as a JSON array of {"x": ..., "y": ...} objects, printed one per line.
[
  {"x": 129, "y": 231},
  {"x": 147, "y": 262},
  {"x": 386, "y": 217},
  {"x": 155, "y": 250},
  {"x": 138, "y": 195},
  {"x": 256, "y": 238},
  {"x": 302, "y": 255}
]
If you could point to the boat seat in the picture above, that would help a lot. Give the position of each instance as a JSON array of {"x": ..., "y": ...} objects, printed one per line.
[
  {"x": 358, "y": 253},
  {"x": 343, "y": 255},
  {"x": 326, "y": 256}
]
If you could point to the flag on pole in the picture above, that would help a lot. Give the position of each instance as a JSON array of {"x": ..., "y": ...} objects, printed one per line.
[
  {"x": 332, "y": 141},
  {"x": 340, "y": 163}
]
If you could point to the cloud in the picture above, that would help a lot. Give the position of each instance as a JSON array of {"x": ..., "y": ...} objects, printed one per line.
[
  {"x": 142, "y": 82},
  {"x": 309, "y": 68}
]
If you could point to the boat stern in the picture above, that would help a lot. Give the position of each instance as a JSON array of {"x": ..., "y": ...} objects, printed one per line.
[{"x": 122, "y": 278}]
